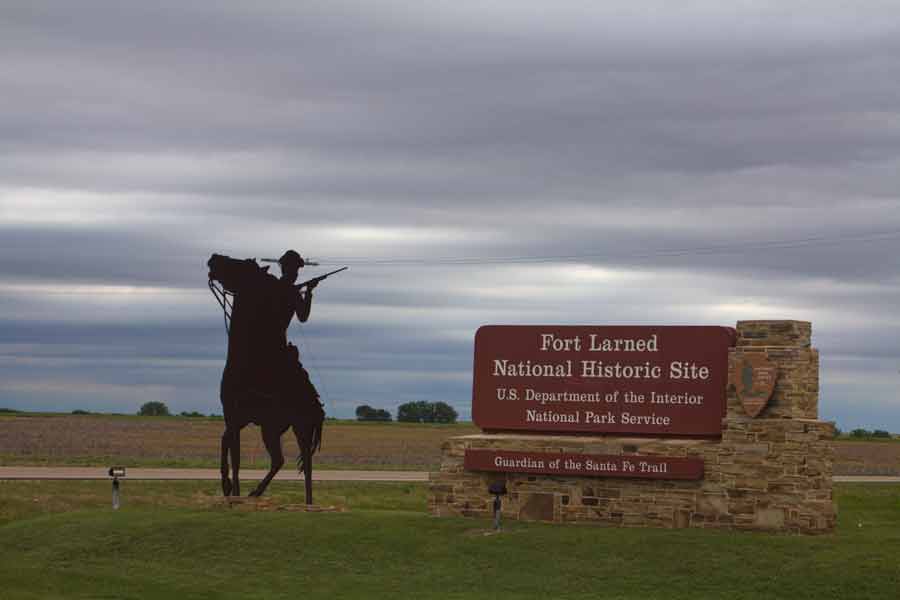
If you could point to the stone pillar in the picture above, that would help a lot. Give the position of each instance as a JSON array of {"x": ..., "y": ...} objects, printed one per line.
[
  {"x": 771, "y": 472},
  {"x": 787, "y": 345}
]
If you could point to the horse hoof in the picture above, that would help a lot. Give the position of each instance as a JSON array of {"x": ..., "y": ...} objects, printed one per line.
[{"x": 226, "y": 487}]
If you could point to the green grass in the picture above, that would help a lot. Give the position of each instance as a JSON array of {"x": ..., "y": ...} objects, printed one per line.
[
  {"x": 170, "y": 541},
  {"x": 23, "y": 500},
  {"x": 260, "y": 461}
]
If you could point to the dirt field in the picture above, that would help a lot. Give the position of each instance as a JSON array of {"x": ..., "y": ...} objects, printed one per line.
[
  {"x": 867, "y": 458},
  {"x": 178, "y": 441}
]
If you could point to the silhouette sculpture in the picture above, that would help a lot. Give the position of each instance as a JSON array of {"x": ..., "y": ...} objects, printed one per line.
[{"x": 263, "y": 381}]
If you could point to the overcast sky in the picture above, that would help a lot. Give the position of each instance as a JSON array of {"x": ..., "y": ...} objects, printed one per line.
[{"x": 633, "y": 163}]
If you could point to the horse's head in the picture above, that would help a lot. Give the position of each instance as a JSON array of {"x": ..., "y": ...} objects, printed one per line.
[
  {"x": 234, "y": 274},
  {"x": 216, "y": 264}
]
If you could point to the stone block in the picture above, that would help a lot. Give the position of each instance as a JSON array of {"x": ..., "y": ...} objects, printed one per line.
[
  {"x": 774, "y": 333},
  {"x": 537, "y": 507},
  {"x": 770, "y": 518}
]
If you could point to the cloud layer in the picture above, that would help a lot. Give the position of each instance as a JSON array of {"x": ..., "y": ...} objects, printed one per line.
[{"x": 652, "y": 165}]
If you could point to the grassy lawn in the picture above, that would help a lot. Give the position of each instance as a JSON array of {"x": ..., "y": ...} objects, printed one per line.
[{"x": 60, "y": 540}]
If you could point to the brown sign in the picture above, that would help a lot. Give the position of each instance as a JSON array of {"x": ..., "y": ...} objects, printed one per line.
[
  {"x": 667, "y": 380},
  {"x": 584, "y": 465},
  {"x": 754, "y": 381}
]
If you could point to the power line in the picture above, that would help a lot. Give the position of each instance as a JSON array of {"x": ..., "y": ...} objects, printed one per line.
[{"x": 734, "y": 248}]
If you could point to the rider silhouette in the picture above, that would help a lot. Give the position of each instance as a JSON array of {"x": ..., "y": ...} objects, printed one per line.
[
  {"x": 291, "y": 301},
  {"x": 268, "y": 305}
]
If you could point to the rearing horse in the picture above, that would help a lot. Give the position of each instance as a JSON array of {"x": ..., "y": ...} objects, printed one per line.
[{"x": 263, "y": 381}]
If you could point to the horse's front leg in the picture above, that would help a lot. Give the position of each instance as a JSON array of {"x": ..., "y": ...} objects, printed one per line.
[
  {"x": 272, "y": 439},
  {"x": 235, "y": 451},
  {"x": 226, "y": 443}
]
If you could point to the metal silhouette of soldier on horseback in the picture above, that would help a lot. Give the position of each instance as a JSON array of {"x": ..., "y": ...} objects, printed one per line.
[{"x": 263, "y": 381}]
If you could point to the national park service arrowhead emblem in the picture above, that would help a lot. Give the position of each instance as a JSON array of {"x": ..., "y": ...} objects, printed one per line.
[{"x": 753, "y": 379}]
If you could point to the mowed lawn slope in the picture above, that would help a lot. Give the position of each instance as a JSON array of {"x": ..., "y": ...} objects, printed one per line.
[
  {"x": 102, "y": 440},
  {"x": 172, "y": 542}
]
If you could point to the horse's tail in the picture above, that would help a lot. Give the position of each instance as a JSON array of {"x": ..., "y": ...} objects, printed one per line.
[{"x": 312, "y": 435}]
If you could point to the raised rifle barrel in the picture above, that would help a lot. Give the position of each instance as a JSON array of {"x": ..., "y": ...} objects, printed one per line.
[{"x": 308, "y": 263}]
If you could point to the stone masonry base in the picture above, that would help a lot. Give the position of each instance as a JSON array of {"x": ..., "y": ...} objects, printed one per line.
[{"x": 764, "y": 474}]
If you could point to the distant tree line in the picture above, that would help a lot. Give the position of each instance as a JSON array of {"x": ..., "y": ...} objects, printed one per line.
[
  {"x": 158, "y": 409},
  {"x": 426, "y": 412},
  {"x": 865, "y": 433},
  {"x": 365, "y": 412},
  {"x": 154, "y": 409},
  {"x": 411, "y": 412}
]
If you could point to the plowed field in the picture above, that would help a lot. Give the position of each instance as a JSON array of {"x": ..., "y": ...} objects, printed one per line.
[{"x": 180, "y": 441}]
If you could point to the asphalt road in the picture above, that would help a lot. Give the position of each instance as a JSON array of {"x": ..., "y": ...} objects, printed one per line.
[{"x": 284, "y": 474}]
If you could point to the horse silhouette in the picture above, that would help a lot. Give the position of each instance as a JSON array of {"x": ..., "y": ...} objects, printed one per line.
[{"x": 263, "y": 381}]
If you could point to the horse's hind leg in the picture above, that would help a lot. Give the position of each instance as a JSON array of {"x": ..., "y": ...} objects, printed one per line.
[
  {"x": 272, "y": 440},
  {"x": 306, "y": 440},
  {"x": 226, "y": 483},
  {"x": 306, "y": 453}
]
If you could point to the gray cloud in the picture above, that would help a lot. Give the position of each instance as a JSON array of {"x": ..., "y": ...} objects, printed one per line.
[{"x": 698, "y": 165}]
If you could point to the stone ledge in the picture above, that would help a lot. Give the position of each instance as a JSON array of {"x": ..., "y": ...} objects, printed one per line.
[
  {"x": 749, "y": 481},
  {"x": 774, "y": 333}
]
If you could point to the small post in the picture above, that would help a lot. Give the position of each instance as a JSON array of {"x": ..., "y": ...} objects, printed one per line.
[
  {"x": 498, "y": 488},
  {"x": 115, "y": 473}
]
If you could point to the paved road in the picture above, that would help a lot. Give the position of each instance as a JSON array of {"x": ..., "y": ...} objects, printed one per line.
[
  {"x": 203, "y": 474},
  {"x": 285, "y": 474}
]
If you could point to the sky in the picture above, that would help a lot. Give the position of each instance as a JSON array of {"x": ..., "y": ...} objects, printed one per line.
[{"x": 489, "y": 162}]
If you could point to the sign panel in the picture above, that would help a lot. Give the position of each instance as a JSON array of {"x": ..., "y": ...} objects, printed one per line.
[
  {"x": 584, "y": 465},
  {"x": 666, "y": 380}
]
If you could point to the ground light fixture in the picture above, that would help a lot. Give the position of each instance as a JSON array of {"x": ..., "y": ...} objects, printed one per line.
[
  {"x": 498, "y": 488},
  {"x": 115, "y": 473}
]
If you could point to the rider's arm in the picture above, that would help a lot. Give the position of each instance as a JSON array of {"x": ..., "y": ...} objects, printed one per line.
[
  {"x": 304, "y": 304},
  {"x": 304, "y": 301}
]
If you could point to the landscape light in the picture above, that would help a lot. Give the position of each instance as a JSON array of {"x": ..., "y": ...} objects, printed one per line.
[
  {"x": 498, "y": 488},
  {"x": 115, "y": 473}
]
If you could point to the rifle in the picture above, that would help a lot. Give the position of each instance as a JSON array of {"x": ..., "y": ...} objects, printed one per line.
[
  {"x": 299, "y": 286},
  {"x": 306, "y": 263}
]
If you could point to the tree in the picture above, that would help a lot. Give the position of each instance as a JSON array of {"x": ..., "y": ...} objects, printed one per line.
[
  {"x": 881, "y": 433},
  {"x": 860, "y": 433},
  {"x": 154, "y": 409},
  {"x": 416, "y": 412},
  {"x": 444, "y": 413},
  {"x": 426, "y": 412},
  {"x": 364, "y": 412}
]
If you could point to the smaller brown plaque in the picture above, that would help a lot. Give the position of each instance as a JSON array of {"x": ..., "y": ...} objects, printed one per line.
[
  {"x": 754, "y": 381},
  {"x": 584, "y": 465}
]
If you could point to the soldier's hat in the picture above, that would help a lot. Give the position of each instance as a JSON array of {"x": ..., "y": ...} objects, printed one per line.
[{"x": 291, "y": 259}]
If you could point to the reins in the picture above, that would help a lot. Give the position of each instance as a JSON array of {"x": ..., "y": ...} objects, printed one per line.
[{"x": 221, "y": 295}]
